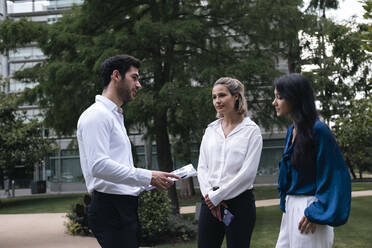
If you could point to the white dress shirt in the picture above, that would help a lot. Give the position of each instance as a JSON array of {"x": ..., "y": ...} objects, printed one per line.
[
  {"x": 105, "y": 151},
  {"x": 229, "y": 163}
]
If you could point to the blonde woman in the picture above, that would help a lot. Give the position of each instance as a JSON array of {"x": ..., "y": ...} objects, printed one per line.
[{"x": 229, "y": 156}]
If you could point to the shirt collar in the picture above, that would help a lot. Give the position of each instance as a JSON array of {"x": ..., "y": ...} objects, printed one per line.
[
  {"x": 216, "y": 125},
  {"x": 110, "y": 105},
  {"x": 246, "y": 122}
]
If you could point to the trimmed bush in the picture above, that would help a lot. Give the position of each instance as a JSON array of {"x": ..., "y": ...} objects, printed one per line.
[
  {"x": 158, "y": 225},
  {"x": 77, "y": 223},
  {"x": 154, "y": 207},
  {"x": 181, "y": 229}
]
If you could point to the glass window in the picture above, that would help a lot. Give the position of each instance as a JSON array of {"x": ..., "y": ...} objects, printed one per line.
[
  {"x": 141, "y": 161},
  {"x": 17, "y": 86},
  {"x": 140, "y": 150},
  {"x": 26, "y": 53},
  {"x": 269, "y": 163},
  {"x": 274, "y": 143},
  {"x": 62, "y": 4},
  {"x": 53, "y": 167},
  {"x": 13, "y": 67},
  {"x": 139, "y": 157},
  {"x": 53, "y": 18},
  {"x": 271, "y": 154},
  {"x": 69, "y": 152},
  {"x": 65, "y": 167},
  {"x": 35, "y": 6},
  {"x": 154, "y": 162},
  {"x": 70, "y": 170}
]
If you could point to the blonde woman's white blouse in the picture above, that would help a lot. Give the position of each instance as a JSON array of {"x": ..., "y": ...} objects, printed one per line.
[{"x": 229, "y": 163}]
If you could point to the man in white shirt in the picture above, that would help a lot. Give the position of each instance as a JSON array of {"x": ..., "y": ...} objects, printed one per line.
[{"x": 106, "y": 158}]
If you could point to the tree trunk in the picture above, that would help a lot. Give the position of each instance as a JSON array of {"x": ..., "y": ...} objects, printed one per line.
[
  {"x": 360, "y": 174},
  {"x": 1, "y": 179},
  {"x": 187, "y": 185},
  {"x": 187, "y": 188},
  {"x": 351, "y": 169},
  {"x": 292, "y": 57},
  {"x": 148, "y": 151},
  {"x": 164, "y": 154}
]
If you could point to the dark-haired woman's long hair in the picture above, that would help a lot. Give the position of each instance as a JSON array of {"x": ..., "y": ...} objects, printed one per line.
[{"x": 296, "y": 89}]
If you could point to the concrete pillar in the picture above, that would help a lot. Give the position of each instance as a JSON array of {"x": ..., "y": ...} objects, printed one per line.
[{"x": 36, "y": 172}]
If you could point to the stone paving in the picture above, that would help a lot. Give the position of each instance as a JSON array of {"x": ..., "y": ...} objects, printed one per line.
[{"x": 39, "y": 231}]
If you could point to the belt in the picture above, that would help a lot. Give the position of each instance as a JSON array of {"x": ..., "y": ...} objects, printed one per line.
[{"x": 129, "y": 197}]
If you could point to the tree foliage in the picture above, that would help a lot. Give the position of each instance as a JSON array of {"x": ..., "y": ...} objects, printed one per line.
[
  {"x": 367, "y": 32},
  {"x": 354, "y": 134},
  {"x": 340, "y": 70},
  {"x": 21, "y": 141},
  {"x": 184, "y": 46},
  {"x": 339, "y": 66},
  {"x": 323, "y": 5},
  {"x": 22, "y": 32}
]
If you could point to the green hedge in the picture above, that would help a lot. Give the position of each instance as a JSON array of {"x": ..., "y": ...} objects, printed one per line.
[
  {"x": 154, "y": 207},
  {"x": 77, "y": 223},
  {"x": 158, "y": 225}
]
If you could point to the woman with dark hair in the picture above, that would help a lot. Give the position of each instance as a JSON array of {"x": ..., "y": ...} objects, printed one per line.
[
  {"x": 314, "y": 182},
  {"x": 229, "y": 156}
]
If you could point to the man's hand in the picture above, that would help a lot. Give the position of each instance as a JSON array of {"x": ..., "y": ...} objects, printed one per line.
[
  {"x": 306, "y": 226},
  {"x": 161, "y": 179}
]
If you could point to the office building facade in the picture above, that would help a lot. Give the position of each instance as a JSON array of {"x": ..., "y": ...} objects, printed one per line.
[{"x": 62, "y": 170}]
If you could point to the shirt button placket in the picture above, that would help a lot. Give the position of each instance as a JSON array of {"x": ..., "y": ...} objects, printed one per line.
[{"x": 222, "y": 159}]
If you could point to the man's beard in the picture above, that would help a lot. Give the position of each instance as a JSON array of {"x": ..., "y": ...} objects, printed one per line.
[{"x": 125, "y": 93}]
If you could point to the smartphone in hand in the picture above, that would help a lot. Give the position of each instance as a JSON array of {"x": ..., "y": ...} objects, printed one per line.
[{"x": 227, "y": 217}]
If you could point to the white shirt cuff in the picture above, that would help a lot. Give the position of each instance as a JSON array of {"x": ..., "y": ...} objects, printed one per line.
[
  {"x": 144, "y": 176},
  {"x": 214, "y": 197}
]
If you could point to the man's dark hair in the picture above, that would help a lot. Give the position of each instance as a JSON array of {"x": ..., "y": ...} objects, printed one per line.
[{"x": 122, "y": 63}]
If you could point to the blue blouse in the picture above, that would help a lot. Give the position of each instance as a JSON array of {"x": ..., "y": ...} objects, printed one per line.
[{"x": 329, "y": 179}]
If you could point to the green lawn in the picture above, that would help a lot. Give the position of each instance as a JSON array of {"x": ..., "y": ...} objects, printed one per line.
[
  {"x": 60, "y": 203},
  {"x": 268, "y": 192},
  {"x": 355, "y": 233},
  {"x": 265, "y": 192},
  {"x": 261, "y": 193},
  {"x": 361, "y": 186},
  {"x": 192, "y": 201}
]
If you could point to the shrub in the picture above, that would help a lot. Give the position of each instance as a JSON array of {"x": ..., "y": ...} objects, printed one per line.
[
  {"x": 158, "y": 225},
  {"x": 154, "y": 207},
  {"x": 181, "y": 229},
  {"x": 78, "y": 218}
]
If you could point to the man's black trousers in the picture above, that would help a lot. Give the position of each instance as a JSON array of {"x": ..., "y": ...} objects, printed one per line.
[{"x": 114, "y": 220}]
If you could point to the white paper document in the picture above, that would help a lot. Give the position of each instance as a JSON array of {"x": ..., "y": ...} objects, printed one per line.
[{"x": 183, "y": 172}]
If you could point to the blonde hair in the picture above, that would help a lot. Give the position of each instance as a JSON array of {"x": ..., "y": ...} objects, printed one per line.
[{"x": 235, "y": 87}]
